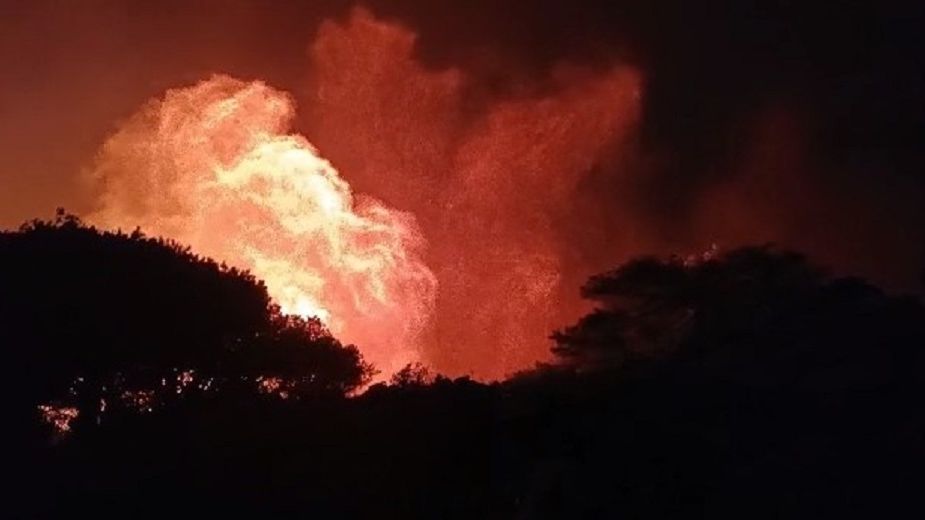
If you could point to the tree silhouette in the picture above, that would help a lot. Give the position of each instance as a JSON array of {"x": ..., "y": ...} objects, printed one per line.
[
  {"x": 744, "y": 384},
  {"x": 412, "y": 374},
  {"x": 755, "y": 314},
  {"x": 98, "y": 318}
]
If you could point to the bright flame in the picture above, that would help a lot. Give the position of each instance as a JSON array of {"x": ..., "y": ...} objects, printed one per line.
[
  {"x": 214, "y": 166},
  {"x": 60, "y": 417}
]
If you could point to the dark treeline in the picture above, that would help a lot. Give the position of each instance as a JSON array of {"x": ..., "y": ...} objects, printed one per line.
[{"x": 143, "y": 380}]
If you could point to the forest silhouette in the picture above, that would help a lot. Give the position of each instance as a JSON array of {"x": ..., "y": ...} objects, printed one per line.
[{"x": 145, "y": 381}]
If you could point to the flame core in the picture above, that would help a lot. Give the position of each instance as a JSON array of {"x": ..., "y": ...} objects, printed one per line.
[{"x": 213, "y": 166}]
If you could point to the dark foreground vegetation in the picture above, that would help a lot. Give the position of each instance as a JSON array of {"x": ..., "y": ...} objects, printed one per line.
[{"x": 143, "y": 381}]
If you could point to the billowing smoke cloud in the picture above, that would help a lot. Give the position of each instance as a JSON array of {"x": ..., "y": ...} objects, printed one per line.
[
  {"x": 725, "y": 82},
  {"x": 493, "y": 181},
  {"x": 539, "y": 150},
  {"x": 213, "y": 166}
]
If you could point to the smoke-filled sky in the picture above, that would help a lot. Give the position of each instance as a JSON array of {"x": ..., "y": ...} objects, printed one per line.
[{"x": 534, "y": 143}]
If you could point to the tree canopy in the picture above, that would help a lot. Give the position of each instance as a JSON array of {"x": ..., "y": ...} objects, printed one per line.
[
  {"x": 756, "y": 314},
  {"x": 88, "y": 316}
]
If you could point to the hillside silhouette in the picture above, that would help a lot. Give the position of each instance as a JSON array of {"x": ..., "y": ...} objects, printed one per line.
[{"x": 746, "y": 383}]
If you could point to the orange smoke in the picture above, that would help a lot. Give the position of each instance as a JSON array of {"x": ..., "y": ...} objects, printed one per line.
[
  {"x": 493, "y": 180},
  {"x": 214, "y": 166}
]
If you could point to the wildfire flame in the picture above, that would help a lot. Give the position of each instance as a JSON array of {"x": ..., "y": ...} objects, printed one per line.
[
  {"x": 214, "y": 166},
  {"x": 59, "y": 417}
]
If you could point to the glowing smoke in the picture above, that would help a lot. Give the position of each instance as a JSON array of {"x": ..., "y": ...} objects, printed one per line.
[
  {"x": 493, "y": 179},
  {"x": 214, "y": 166}
]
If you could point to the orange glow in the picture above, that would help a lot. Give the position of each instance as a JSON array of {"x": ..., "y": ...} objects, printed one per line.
[
  {"x": 59, "y": 417},
  {"x": 493, "y": 178},
  {"x": 214, "y": 166}
]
